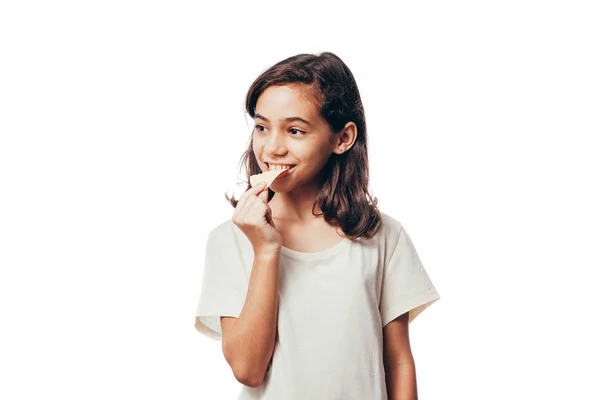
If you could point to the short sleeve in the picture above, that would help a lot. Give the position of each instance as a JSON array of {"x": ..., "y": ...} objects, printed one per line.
[
  {"x": 224, "y": 283},
  {"x": 406, "y": 285}
]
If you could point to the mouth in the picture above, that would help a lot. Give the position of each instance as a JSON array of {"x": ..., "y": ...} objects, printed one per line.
[{"x": 287, "y": 169}]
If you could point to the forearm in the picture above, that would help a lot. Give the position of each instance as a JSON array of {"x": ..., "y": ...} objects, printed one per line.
[
  {"x": 401, "y": 381},
  {"x": 252, "y": 340}
]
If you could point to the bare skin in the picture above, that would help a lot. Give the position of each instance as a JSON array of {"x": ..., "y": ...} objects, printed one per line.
[
  {"x": 308, "y": 237},
  {"x": 400, "y": 370},
  {"x": 287, "y": 220},
  {"x": 289, "y": 130},
  {"x": 307, "y": 143},
  {"x": 248, "y": 341}
]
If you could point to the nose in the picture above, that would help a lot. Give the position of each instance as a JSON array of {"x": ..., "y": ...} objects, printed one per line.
[{"x": 275, "y": 144}]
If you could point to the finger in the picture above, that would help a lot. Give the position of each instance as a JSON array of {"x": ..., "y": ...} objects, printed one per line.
[
  {"x": 264, "y": 195},
  {"x": 256, "y": 189},
  {"x": 257, "y": 212},
  {"x": 253, "y": 190}
]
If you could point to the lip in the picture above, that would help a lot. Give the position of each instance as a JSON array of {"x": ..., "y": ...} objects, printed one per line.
[
  {"x": 285, "y": 173},
  {"x": 268, "y": 163}
]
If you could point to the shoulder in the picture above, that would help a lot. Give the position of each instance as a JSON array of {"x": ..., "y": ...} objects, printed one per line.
[
  {"x": 384, "y": 243},
  {"x": 225, "y": 230},
  {"x": 227, "y": 233},
  {"x": 390, "y": 226},
  {"x": 386, "y": 238}
]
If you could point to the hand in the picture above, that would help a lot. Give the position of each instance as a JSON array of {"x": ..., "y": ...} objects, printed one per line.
[{"x": 253, "y": 216}]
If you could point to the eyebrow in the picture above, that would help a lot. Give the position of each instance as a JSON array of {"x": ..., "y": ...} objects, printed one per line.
[{"x": 288, "y": 119}]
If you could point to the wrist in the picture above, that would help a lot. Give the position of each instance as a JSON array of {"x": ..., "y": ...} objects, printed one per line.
[{"x": 267, "y": 252}]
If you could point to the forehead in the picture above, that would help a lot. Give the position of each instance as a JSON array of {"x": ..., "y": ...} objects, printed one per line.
[{"x": 287, "y": 101}]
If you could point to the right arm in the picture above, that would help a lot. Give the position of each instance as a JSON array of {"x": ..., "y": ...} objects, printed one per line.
[{"x": 249, "y": 340}]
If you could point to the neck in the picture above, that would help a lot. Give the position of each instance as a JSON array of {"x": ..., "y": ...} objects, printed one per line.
[{"x": 295, "y": 205}]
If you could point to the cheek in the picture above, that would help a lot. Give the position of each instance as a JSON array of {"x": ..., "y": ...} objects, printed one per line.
[
  {"x": 312, "y": 155},
  {"x": 256, "y": 154},
  {"x": 255, "y": 147}
]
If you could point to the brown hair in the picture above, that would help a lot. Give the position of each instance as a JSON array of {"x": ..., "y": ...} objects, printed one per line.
[{"x": 344, "y": 196}]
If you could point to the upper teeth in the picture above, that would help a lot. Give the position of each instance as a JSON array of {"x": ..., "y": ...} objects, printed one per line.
[{"x": 272, "y": 167}]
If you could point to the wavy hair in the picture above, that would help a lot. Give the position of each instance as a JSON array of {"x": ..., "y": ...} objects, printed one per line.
[{"x": 344, "y": 197}]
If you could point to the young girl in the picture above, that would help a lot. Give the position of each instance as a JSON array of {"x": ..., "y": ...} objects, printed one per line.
[{"x": 309, "y": 286}]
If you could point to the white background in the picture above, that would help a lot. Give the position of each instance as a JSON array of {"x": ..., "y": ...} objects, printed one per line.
[{"x": 122, "y": 126}]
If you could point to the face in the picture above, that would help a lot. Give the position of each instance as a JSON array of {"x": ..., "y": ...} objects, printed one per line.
[{"x": 290, "y": 131}]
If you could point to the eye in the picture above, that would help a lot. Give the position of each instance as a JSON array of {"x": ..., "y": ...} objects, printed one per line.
[
  {"x": 297, "y": 130},
  {"x": 259, "y": 128}
]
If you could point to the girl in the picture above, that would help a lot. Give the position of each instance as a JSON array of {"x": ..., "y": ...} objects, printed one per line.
[{"x": 309, "y": 286}]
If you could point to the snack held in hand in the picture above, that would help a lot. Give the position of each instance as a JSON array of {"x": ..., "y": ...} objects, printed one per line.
[{"x": 268, "y": 177}]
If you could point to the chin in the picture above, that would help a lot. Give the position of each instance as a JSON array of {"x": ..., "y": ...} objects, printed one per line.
[{"x": 278, "y": 190}]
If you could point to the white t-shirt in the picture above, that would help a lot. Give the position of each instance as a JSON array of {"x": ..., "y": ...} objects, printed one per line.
[{"x": 333, "y": 305}]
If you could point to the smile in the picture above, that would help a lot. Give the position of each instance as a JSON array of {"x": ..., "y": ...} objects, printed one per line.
[{"x": 278, "y": 167}]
